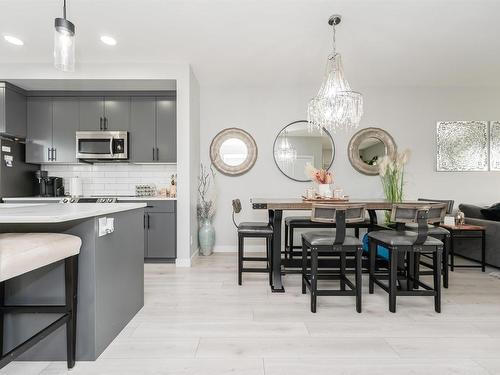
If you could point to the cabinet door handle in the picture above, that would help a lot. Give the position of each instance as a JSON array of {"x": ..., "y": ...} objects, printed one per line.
[
  {"x": 105, "y": 123},
  {"x": 157, "y": 153},
  {"x": 48, "y": 154},
  {"x": 54, "y": 154},
  {"x": 148, "y": 221},
  {"x": 100, "y": 123},
  {"x": 144, "y": 220},
  {"x": 153, "y": 153}
]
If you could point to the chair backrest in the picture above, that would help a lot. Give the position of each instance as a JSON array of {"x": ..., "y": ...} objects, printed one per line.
[
  {"x": 338, "y": 214},
  {"x": 449, "y": 203},
  {"x": 236, "y": 209},
  {"x": 422, "y": 215}
]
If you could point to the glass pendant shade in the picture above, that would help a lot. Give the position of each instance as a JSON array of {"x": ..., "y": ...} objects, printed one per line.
[
  {"x": 335, "y": 106},
  {"x": 64, "y": 43}
]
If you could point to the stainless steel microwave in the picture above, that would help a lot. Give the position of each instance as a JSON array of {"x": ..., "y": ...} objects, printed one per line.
[{"x": 102, "y": 145}]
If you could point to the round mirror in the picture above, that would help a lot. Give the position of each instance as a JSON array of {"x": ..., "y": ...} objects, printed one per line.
[
  {"x": 300, "y": 143},
  {"x": 233, "y": 152},
  {"x": 367, "y": 147}
]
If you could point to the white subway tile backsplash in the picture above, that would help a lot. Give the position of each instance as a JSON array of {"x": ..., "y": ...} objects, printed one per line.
[{"x": 113, "y": 178}]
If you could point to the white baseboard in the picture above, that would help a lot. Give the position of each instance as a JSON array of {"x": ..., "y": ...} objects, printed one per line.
[
  {"x": 234, "y": 249},
  {"x": 186, "y": 262}
]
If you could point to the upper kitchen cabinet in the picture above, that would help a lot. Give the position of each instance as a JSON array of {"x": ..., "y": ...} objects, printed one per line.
[
  {"x": 52, "y": 123},
  {"x": 39, "y": 130},
  {"x": 166, "y": 130},
  {"x": 12, "y": 111},
  {"x": 104, "y": 113},
  {"x": 142, "y": 129},
  {"x": 65, "y": 115},
  {"x": 153, "y": 130},
  {"x": 91, "y": 113}
]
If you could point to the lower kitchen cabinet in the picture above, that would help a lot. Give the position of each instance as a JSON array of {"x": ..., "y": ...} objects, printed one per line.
[{"x": 160, "y": 234}]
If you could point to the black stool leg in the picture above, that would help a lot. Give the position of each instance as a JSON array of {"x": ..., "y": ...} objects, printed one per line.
[
  {"x": 2, "y": 301},
  {"x": 287, "y": 247},
  {"x": 393, "y": 273},
  {"x": 410, "y": 272},
  {"x": 269, "y": 252},
  {"x": 240, "y": 258},
  {"x": 342, "y": 270},
  {"x": 314, "y": 278},
  {"x": 446, "y": 258},
  {"x": 437, "y": 279},
  {"x": 372, "y": 253},
  {"x": 304, "y": 266},
  {"x": 359, "y": 280},
  {"x": 71, "y": 288},
  {"x": 291, "y": 241},
  {"x": 416, "y": 269}
]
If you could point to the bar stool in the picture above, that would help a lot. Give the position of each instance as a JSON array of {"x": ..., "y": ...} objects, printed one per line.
[
  {"x": 21, "y": 253},
  {"x": 252, "y": 230},
  {"x": 330, "y": 244},
  {"x": 442, "y": 234},
  {"x": 403, "y": 243},
  {"x": 302, "y": 222}
]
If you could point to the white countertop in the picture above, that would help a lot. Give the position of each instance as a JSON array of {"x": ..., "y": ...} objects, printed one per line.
[
  {"x": 57, "y": 199},
  {"x": 58, "y": 213}
]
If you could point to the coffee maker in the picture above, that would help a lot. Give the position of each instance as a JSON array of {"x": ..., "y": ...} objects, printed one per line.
[
  {"x": 42, "y": 178},
  {"x": 48, "y": 186}
]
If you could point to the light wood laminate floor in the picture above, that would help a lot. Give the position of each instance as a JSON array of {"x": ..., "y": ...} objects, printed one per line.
[{"x": 199, "y": 321}]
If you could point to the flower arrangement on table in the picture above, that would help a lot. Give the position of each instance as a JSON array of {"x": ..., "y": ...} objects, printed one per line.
[
  {"x": 392, "y": 173},
  {"x": 323, "y": 177}
]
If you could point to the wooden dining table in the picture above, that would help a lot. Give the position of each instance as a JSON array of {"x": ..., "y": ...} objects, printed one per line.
[{"x": 276, "y": 206}]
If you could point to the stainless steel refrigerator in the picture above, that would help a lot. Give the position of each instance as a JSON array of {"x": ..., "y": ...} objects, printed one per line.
[{"x": 17, "y": 178}]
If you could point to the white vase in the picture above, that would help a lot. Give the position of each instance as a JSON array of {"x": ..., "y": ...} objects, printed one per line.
[{"x": 324, "y": 190}]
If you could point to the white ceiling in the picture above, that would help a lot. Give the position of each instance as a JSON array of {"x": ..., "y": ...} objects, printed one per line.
[{"x": 275, "y": 42}]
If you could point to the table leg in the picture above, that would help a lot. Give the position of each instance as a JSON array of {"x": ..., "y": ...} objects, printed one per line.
[
  {"x": 446, "y": 259},
  {"x": 452, "y": 252},
  {"x": 483, "y": 251},
  {"x": 373, "y": 219},
  {"x": 275, "y": 217}
]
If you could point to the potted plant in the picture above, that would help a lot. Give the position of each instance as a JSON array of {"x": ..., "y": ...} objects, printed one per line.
[
  {"x": 392, "y": 173},
  {"x": 322, "y": 177},
  {"x": 206, "y": 210}
]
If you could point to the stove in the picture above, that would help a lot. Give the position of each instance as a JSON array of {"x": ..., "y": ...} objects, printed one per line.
[{"x": 88, "y": 200}]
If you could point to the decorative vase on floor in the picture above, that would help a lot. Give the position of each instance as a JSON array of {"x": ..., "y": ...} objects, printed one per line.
[
  {"x": 206, "y": 237},
  {"x": 324, "y": 190}
]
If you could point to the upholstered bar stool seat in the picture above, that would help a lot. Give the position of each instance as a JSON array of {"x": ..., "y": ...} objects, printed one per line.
[
  {"x": 21, "y": 253},
  {"x": 326, "y": 238},
  {"x": 403, "y": 238},
  {"x": 255, "y": 227}
]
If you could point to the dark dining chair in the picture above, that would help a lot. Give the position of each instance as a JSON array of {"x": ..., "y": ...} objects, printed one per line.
[
  {"x": 331, "y": 244},
  {"x": 401, "y": 244},
  {"x": 252, "y": 230}
]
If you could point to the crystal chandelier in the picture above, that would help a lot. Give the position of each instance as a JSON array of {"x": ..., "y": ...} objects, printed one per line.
[
  {"x": 335, "y": 106},
  {"x": 285, "y": 153}
]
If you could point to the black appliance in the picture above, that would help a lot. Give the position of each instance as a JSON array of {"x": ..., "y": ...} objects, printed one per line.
[
  {"x": 16, "y": 176},
  {"x": 55, "y": 187},
  {"x": 42, "y": 182}
]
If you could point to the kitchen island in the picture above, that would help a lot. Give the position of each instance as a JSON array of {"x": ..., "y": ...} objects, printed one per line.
[{"x": 110, "y": 279}]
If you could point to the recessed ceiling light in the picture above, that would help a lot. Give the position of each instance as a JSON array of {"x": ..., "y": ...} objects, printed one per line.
[
  {"x": 13, "y": 40},
  {"x": 110, "y": 41}
]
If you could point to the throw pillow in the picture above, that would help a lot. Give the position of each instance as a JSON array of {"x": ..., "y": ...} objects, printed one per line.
[{"x": 492, "y": 213}]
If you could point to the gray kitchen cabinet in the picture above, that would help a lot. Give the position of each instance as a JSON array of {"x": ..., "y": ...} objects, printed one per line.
[
  {"x": 161, "y": 235},
  {"x": 117, "y": 113},
  {"x": 39, "y": 131},
  {"x": 142, "y": 129},
  {"x": 91, "y": 113},
  {"x": 13, "y": 110},
  {"x": 64, "y": 125},
  {"x": 166, "y": 130}
]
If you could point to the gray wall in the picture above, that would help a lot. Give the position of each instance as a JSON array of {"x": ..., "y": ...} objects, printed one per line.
[{"x": 409, "y": 114}]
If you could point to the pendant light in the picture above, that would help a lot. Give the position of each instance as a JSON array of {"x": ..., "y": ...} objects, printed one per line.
[
  {"x": 335, "y": 106},
  {"x": 64, "y": 43}
]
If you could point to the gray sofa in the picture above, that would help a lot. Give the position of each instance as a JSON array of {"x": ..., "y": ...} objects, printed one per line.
[{"x": 471, "y": 248}]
